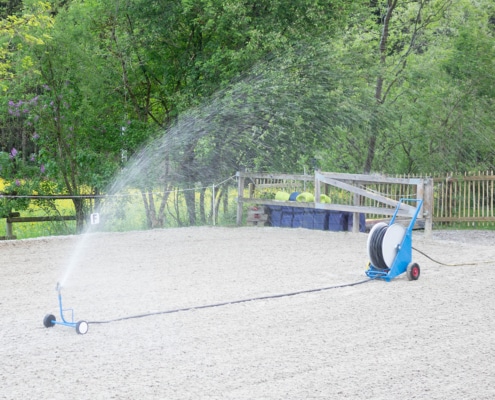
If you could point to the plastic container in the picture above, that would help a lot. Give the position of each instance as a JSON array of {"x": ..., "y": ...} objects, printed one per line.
[
  {"x": 293, "y": 196},
  {"x": 297, "y": 217},
  {"x": 308, "y": 218},
  {"x": 315, "y": 219},
  {"x": 275, "y": 213},
  {"x": 286, "y": 218},
  {"x": 335, "y": 221},
  {"x": 320, "y": 220}
]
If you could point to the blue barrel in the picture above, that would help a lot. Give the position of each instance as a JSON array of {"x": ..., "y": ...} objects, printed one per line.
[
  {"x": 335, "y": 221},
  {"x": 320, "y": 220},
  {"x": 275, "y": 213},
  {"x": 308, "y": 218},
  {"x": 286, "y": 219},
  {"x": 315, "y": 219},
  {"x": 298, "y": 216}
]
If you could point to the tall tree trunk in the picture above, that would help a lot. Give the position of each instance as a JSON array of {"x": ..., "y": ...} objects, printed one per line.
[
  {"x": 202, "y": 210},
  {"x": 426, "y": 15},
  {"x": 80, "y": 214},
  {"x": 191, "y": 206},
  {"x": 188, "y": 169},
  {"x": 391, "y": 4}
]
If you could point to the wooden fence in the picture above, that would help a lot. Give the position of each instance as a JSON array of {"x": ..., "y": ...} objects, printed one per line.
[
  {"x": 15, "y": 217},
  {"x": 352, "y": 193},
  {"x": 457, "y": 198},
  {"x": 466, "y": 198}
]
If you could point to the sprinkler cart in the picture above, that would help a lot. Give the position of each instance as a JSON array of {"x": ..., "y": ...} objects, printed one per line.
[
  {"x": 390, "y": 248},
  {"x": 50, "y": 320}
]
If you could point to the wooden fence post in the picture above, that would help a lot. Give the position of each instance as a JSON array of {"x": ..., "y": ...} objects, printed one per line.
[
  {"x": 317, "y": 188},
  {"x": 355, "y": 216},
  {"x": 9, "y": 232},
  {"x": 240, "y": 196},
  {"x": 428, "y": 207}
]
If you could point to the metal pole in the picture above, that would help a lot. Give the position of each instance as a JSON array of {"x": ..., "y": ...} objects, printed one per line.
[{"x": 213, "y": 200}]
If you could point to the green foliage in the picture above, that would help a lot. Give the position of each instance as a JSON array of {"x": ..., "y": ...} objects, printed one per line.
[
  {"x": 447, "y": 110},
  {"x": 21, "y": 177},
  {"x": 19, "y": 30},
  {"x": 212, "y": 86},
  {"x": 471, "y": 63}
]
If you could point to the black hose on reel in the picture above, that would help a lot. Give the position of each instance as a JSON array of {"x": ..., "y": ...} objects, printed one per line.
[{"x": 375, "y": 247}]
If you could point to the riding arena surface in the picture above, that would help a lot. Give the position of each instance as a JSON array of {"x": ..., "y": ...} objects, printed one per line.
[{"x": 431, "y": 338}]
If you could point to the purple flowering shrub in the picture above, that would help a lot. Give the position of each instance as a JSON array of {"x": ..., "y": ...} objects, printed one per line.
[{"x": 21, "y": 178}]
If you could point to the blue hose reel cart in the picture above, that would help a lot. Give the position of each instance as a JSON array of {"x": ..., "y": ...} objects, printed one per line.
[{"x": 390, "y": 248}]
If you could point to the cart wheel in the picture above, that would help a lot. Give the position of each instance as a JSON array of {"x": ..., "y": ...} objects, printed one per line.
[
  {"x": 82, "y": 327},
  {"x": 413, "y": 272},
  {"x": 48, "y": 321}
]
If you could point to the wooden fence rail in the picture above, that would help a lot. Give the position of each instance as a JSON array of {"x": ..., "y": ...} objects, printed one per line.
[
  {"x": 9, "y": 231},
  {"x": 354, "y": 193},
  {"x": 15, "y": 217},
  {"x": 465, "y": 197},
  {"x": 456, "y": 197}
]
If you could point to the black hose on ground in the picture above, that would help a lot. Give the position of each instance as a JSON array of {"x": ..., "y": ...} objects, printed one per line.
[{"x": 226, "y": 303}]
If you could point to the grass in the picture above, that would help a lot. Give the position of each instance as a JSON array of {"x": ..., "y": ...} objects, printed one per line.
[{"x": 120, "y": 214}]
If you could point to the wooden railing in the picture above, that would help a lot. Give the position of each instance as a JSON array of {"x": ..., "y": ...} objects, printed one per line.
[
  {"x": 9, "y": 231},
  {"x": 457, "y": 197},
  {"x": 354, "y": 193},
  {"x": 15, "y": 217},
  {"x": 465, "y": 197}
]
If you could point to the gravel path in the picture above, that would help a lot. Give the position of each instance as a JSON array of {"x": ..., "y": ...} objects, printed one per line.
[{"x": 426, "y": 339}]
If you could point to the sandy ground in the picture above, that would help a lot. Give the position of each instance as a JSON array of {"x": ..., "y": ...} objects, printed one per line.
[{"x": 427, "y": 339}]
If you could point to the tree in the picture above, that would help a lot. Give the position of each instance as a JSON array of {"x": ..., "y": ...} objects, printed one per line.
[
  {"x": 20, "y": 168},
  {"x": 448, "y": 112},
  {"x": 16, "y": 31},
  {"x": 206, "y": 44},
  {"x": 404, "y": 30},
  {"x": 67, "y": 109},
  {"x": 193, "y": 90}
]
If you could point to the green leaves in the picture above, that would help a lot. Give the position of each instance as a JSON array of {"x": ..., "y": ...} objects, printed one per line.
[{"x": 268, "y": 85}]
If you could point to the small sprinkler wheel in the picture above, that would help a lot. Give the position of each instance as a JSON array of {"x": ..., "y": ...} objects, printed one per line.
[
  {"x": 49, "y": 320},
  {"x": 82, "y": 327},
  {"x": 390, "y": 248}
]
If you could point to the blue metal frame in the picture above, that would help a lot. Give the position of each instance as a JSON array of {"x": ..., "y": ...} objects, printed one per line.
[
  {"x": 63, "y": 321},
  {"x": 404, "y": 250}
]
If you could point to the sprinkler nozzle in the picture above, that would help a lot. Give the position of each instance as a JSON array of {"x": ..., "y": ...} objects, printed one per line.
[{"x": 58, "y": 288}]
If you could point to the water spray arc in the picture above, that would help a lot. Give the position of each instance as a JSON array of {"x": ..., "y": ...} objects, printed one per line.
[{"x": 50, "y": 320}]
